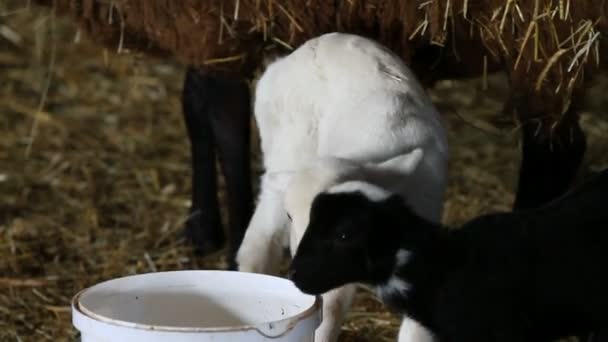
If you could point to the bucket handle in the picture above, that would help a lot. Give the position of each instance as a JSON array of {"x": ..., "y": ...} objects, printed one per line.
[
  {"x": 280, "y": 328},
  {"x": 276, "y": 329}
]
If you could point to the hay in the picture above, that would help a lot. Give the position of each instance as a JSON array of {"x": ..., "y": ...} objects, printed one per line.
[
  {"x": 105, "y": 187},
  {"x": 549, "y": 47},
  {"x": 196, "y": 31}
]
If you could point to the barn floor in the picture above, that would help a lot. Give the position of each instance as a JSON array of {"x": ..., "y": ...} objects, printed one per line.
[{"x": 95, "y": 175}]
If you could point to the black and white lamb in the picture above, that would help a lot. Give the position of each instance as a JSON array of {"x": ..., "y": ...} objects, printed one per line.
[
  {"x": 536, "y": 275},
  {"x": 340, "y": 107}
]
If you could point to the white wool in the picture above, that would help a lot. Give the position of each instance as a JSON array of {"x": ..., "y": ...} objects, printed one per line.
[
  {"x": 339, "y": 108},
  {"x": 370, "y": 191},
  {"x": 395, "y": 286},
  {"x": 402, "y": 257},
  {"x": 411, "y": 330}
]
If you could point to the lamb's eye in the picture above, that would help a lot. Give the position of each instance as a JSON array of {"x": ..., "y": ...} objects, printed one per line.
[{"x": 289, "y": 217}]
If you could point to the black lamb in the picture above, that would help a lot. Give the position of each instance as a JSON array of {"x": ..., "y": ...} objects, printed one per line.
[{"x": 534, "y": 275}]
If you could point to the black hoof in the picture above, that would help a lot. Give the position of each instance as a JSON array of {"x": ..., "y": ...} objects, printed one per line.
[{"x": 205, "y": 238}]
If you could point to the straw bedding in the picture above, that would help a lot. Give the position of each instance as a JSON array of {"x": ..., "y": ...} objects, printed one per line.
[{"x": 94, "y": 170}]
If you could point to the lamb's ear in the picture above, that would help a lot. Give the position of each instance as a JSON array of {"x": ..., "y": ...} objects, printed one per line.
[{"x": 404, "y": 163}]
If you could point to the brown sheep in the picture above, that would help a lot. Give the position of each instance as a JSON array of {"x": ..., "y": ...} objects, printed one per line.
[{"x": 549, "y": 49}]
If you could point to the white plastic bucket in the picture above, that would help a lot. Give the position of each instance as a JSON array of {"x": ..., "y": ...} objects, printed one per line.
[{"x": 188, "y": 306}]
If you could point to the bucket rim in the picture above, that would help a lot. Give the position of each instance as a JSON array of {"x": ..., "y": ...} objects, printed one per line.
[{"x": 289, "y": 322}]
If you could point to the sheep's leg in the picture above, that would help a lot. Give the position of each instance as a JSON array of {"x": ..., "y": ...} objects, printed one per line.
[
  {"x": 230, "y": 121},
  {"x": 336, "y": 304},
  {"x": 551, "y": 159},
  {"x": 262, "y": 248},
  {"x": 203, "y": 227},
  {"x": 412, "y": 331}
]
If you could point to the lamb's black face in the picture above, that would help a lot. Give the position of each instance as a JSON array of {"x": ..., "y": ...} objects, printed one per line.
[{"x": 345, "y": 236}]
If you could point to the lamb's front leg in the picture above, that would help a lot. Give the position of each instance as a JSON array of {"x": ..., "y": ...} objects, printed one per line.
[
  {"x": 262, "y": 247},
  {"x": 412, "y": 331},
  {"x": 336, "y": 304}
]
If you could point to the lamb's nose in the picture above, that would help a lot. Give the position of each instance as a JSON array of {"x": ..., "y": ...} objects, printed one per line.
[{"x": 290, "y": 274}]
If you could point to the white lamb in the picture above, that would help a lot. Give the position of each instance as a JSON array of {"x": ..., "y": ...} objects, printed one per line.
[{"x": 340, "y": 107}]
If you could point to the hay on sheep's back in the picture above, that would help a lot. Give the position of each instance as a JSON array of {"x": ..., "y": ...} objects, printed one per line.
[{"x": 547, "y": 46}]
